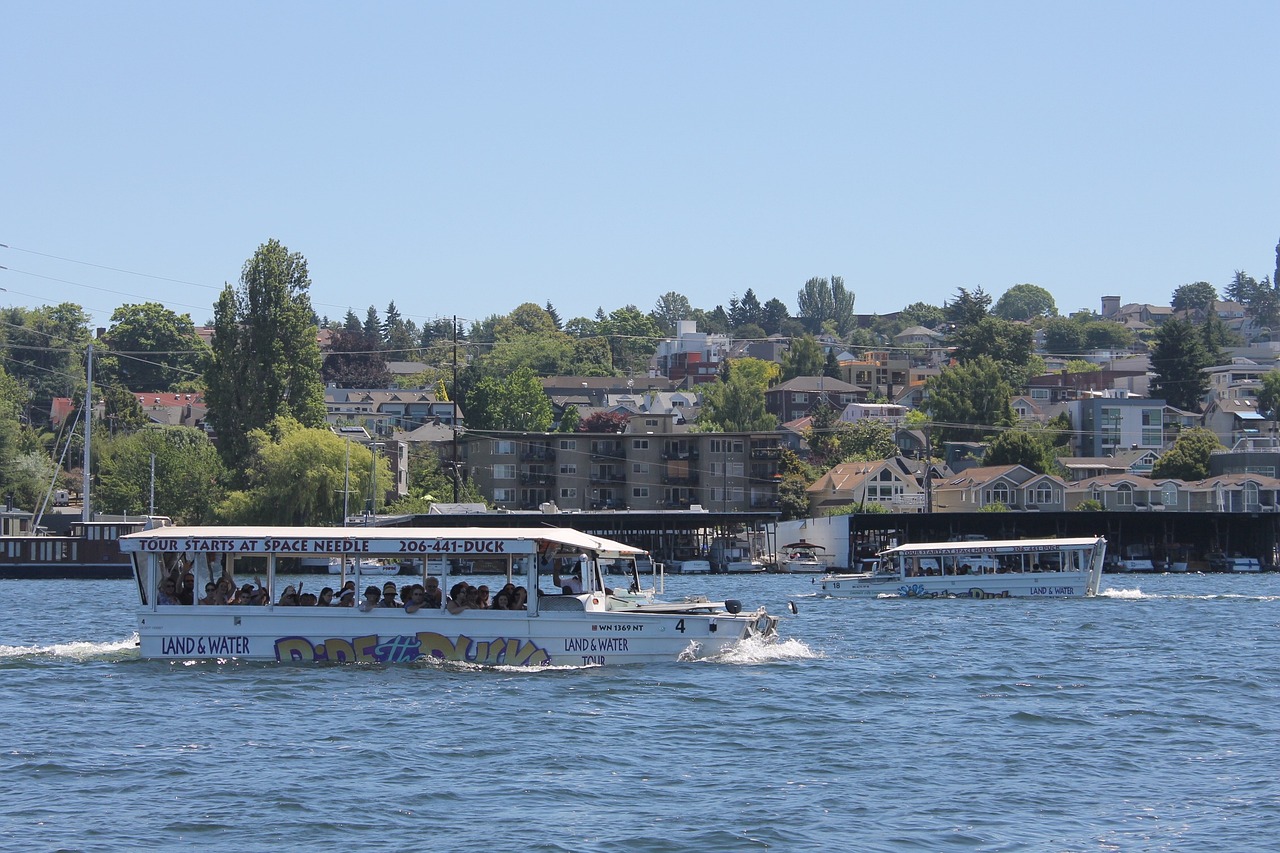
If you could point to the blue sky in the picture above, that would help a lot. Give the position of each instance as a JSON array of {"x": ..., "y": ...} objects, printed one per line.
[{"x": 464, "y": 158}]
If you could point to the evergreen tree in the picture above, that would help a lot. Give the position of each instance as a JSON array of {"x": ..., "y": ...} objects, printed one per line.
[{"x": 1178, "y": 360}]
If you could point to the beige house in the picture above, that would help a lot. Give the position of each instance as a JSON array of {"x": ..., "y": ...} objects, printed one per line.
[
  {"x": 1015, "y": 486},
  {"x": 883, "y": 481}
]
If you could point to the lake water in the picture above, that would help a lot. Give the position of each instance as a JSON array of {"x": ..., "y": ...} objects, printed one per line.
[{"x": 1145, "y": 719}]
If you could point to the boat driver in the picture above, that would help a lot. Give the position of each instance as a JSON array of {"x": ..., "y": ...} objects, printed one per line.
[{"x": 569, "y": 584}]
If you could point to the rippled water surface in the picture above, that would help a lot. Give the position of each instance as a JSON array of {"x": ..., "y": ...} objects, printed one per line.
[{"x": 1146, "y": 719}]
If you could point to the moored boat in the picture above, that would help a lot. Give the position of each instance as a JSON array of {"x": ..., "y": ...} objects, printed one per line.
[
  {"x": 90, "y": 550},
  {"x": 598, "y": 626},
  {"x": 802, "y": 558},
  {"x": 1014, "y": 568}
]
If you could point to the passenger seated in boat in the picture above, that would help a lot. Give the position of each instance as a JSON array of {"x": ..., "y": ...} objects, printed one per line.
[
  {"x": 210, "y": 593},
  {"x": 433, "y": 593},
  {"x": 326, "y": 597},
  {"x": 481, "y": 599},
  {"x": 371, "y": 597},
  {"x": 187, "y": 589},
  {"x": 347, "y": 598},
  {"x": 964, "y": 569},
  {"x": 457, "y": 598},
  {"x": 389, "y": 596},
  {"x": 288, "y": 598},
  {"x": 520, "y": 599},
  {"x": 416, "y": 599},
  {"x": 501, "y": 601},
  {"x": 308, "y": 599},
  {"x": 168, "y": 593}
]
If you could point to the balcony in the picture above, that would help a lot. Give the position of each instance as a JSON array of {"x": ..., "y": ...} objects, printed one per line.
[
  {"x": 538, "y": 453},
  {"x": 607, "y": 475},
  {"x": 537, "y": 479},
  {"x": 766, "y": 453},
  {"x": 689, "y": 478},
  {"x": 608, "y": 450}
]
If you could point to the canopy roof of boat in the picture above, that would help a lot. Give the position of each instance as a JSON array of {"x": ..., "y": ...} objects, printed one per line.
[
  {"x": 808, "y": 545},
  {"x": 370, "y": 540},
  {"x": 995, "y": 546}
]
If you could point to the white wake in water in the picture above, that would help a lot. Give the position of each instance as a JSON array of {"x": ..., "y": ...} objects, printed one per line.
[
  {"x": 754, "y": 650},
  {"x": 73, "y": 650},
  {"x": 1126, "y": 594}
]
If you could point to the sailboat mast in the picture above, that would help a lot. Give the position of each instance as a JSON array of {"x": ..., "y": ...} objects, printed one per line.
[{"x": 88, "y": 419}]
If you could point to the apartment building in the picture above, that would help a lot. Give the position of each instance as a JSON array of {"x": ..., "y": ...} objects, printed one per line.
[{"x": 655, "y": 465}]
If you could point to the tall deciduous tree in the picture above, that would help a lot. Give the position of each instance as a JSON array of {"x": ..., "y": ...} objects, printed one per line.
[
  {"x": 1005, "y": 342},
  {"x": 734, "y": 405},
  {"x": 966, "y": 401},
  {"x": 669, "y": 308},
  {"x": 804, "y": 358},
  {"x": 1178, "y": 360},
  {"x": 1025, "y": 302},
  {"x": 1198, "y": 295},
  {"x": 188, "y": 474},
  {"x": 266, "y": 360},
  {"x": 513, "y": 402},
  {"x": 822, "y": 301},
  {"x": 298, "y": 477},
  {"x": 152, "y": 348},
  {"x": 1031, "y": 449}
]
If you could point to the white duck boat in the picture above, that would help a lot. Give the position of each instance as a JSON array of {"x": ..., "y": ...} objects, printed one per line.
[
  {"x": 1016, "y": 568},
  {"x": 596, "y": 627}
]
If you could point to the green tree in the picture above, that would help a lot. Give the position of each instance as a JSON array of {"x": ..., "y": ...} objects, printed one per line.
[
  {"x": 796, "y": 477},
  {"x": 515, "y": 402},
  {"x": 633, "y": 339},
  {"x": 1031, "y": 449},
  {"x": 1064, "y": 337},
  {"x": 151, "y": 348},
  {"x": 763, "y": 374},
  {"x": 1188, "y": 459},
  {"x": 967, "y": 401},
  {"x": 1107, "y": 334},
  {"x": 45, "y": 349},
  {"x": 297, "y": 476},
  {"x": 354, "y": 361},
  {"x": 1198, "y": 295},
  {"x": 804, "y": 358},
  {"x": 188, "y": 474},
  {"x": 399, "y": 336},
  {"x": 1178, "y": 360},
  {"x": 1025, "y": 302},
  {"x": 773, "y": 315},
  {"x": 266, "y": 360},
  {"x": 967, "y": 307},
  {"x": 922, "y": 314},
  {"x": 669, "y": 308},
  {"x": 570, "y": 419},
  {"x": 735, "y": 405},
  {"x": 1008, "y": 344},
  {"x": 825, "y": 301},
  {"x": 1269, "y": 395}
]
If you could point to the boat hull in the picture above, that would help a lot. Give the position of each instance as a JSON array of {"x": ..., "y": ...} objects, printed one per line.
[
  {"x": 1028, "y": 585},
  {"x": 484, "y": 637}
]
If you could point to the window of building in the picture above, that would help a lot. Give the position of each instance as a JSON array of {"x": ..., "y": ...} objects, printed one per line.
[
  {"x": 568, "y": 493},
  {"x": 639, "y": 467},
  {"x": 1169, "y": 494},
  {"x": 650, "y": 422},
  {"x": 504, "y": 472},
  {"x": 1044, "y": 494},
  {"x": 568, "y": 444},
  {"x": 639, "y": 444},
  {"x": 504, "y": 448},
  {"x": 799, "y": 397},
  {"x": 504, "y": 496},
  {"x": 737, "y": 469},
  {"x": 568, "y": 468},
  {"x": 639, "y": 491},
  {"x": 1000, "y": 493},
  {"x": 1124, "y": 495}
]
